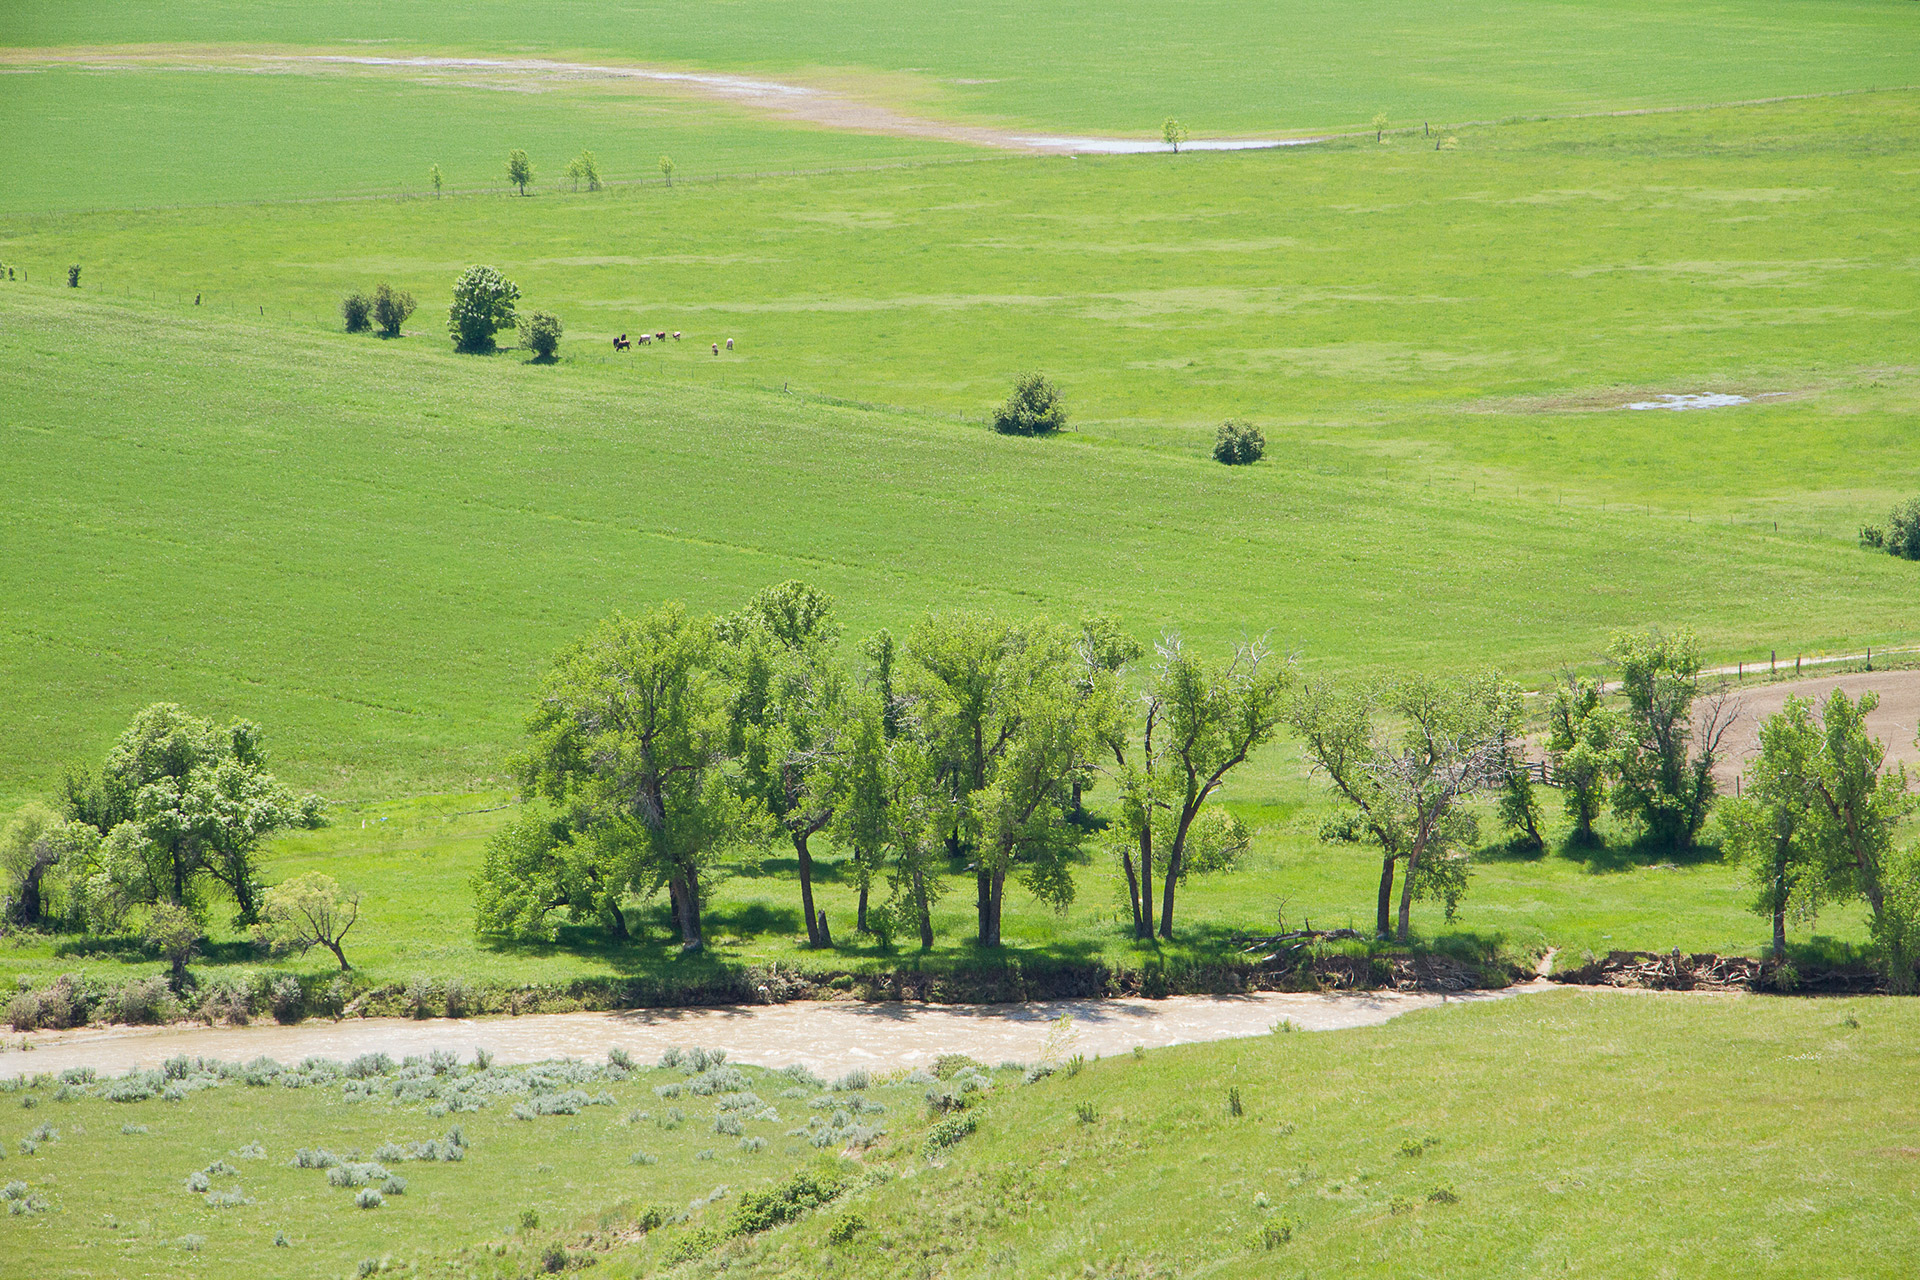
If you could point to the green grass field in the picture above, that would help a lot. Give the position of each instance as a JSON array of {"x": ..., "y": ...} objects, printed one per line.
[
  {"x": 374, "y": 548},
  {"x": 1228, "y": 66},
  {"x": 1505, "y": 1139}
]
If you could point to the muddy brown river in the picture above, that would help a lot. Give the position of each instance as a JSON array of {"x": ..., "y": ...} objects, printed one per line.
[{"x": 826, "y": 1037}]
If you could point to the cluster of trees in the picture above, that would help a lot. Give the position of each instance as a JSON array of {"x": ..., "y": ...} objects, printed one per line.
[
  {"x": 171, "y": 821},
  {"x": 1900, "y": 536},
  {"x": 389, "y": 308},
  {"x": 484, "y": 303},
  {"x": 964, "y": 749},
  {"x": 584, "y": 167},
  {"x": 1816, "y": 824}
]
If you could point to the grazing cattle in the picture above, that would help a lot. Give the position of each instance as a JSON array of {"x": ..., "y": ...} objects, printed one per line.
[
  {"x": 644, "y": 339},
  {"x": 716, "y": 348},
  {"x": 620, "y": 343},
  {"x": 676, "y": 335},
  {"x": 662, "y": 335},
  {"x": 729, "y": 344}
]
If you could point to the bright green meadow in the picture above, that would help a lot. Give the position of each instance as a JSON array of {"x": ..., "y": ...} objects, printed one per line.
[
  {"x": 1514, "y": 1138},
  {"x": 374, "y": 548}
]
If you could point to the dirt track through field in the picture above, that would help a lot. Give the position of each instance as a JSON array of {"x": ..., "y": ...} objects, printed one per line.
[
  {"x": 1893, "y": 721},
  {"x": 828, "y": 1038},
  {"x": 801, "y": 104}
]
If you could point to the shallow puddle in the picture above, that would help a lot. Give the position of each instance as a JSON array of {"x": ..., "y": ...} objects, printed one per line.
[{"x": 1701, "y": 400}]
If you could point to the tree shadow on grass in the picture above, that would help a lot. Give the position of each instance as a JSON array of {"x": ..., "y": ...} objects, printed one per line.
[{"x": 1614, "y": 857}]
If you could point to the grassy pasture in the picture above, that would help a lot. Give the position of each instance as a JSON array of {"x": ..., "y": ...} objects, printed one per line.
[
  {"x": 132, "y": 138},
  {"x": 1225, "y": 66},
  {"x": 1770, "y": 1133}
]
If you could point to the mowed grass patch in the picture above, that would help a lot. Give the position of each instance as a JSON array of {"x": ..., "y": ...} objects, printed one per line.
[
  {"x": 374, "y": 549},
  {"x": 1224, "y": 66},
  {"x": 1489, "y": 1140}
]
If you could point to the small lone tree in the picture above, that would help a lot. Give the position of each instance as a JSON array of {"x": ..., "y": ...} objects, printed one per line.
[
  {"x": 1238, "y": 443},
  {"x": 1174, "y": 133},
  {"x": 175, "y": 934},
  {"x": 666, "y": 169},
  {"x": 433, "y": 176},
  {"x": 355, "y": 309},
  {"x": 540, "y": 334},
  {"x": 1034, "y": 408},
  {"x": 391, "y": 307},
  {"x": 1380, "y": 123},
  {"x": 519, "y": 169},
  {"x": 73, "y": 276},
  {"x": 482, "y": 306},
  {"x": 1768, "y": 828},
  {"x": 311, "y": 911}
]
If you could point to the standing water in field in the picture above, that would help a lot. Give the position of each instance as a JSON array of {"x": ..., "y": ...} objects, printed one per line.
[{"x": 1703, "y": 400}]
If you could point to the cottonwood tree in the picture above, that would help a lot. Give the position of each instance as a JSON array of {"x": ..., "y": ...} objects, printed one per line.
[
  {"x": 629, "y": 740},
  {"x": 1581, "y": 741},
  {"x": 308, "y": 911},
  {"x": 666, "y": 169},
  {"x": 788, "y": 708},
  {"x": 191, "y": 801},
  {"x": 1854, "y": 810},
  {"x": 1173, "y": 133},
  {"x": 1769, "y": 828},
  {"x": 1006, "y": 733},
  {"x": 1663, "y": 760},
  {"x": 891, "y": 811},
  {"x": 1200, "y": 721},
  {"x": 33, "y": 848},
  {"x": 1449, "y": 738},
  {"x": 519, "y": 169},
  {"x": 483, "y": 302}
]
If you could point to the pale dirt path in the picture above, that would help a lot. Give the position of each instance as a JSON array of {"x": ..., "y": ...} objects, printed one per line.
[
  {"x": 805, "y": 104},
  {"x": 827, "y": 1037}
]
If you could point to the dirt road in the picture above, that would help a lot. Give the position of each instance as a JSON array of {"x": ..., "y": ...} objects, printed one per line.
[
  {"x": 1893, "y": 721},
  {"x": 829, "y": 1038}
]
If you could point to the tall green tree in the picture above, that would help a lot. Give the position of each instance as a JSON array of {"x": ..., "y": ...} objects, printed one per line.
[
  {"x": 1769, "y": 830},
  {"x": 192, "y": 800},
  {"x": 1582, "y": 737},
  {"x": 1201, "y": 720},
  {"x": 892, "y": 812},
  {"x": 1666, "y": 749},
  {"x": 1006, "y": 733},
  {"x": 1855, "y": 808},
  {"x": 788, "y": 703},
  {"x": 483, "y": 302},
  {"x": 629, "y": 739},
  {"x": 1404, "y": 756}
]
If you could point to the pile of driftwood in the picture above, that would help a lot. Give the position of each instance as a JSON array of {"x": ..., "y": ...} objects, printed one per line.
[
  {"x": 1677, "y": 971},
  {"x": 1293, "y": 952}
]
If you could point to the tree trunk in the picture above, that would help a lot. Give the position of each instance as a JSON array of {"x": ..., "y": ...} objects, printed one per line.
[
  {"x": 806, "y": 886},
  {"x": 619, "y": 921},
  {"x": 860, "y": 920},
  {"x": 179, "y": 980},
  {"x": 999, "y": 890},
  {"x": 1133, "y": 888},
  {"x": 983, "y": 905},
  {"x": 922, "y": 909},
  {"x": 686, "y": 901},
  {"x": 1780, "y": 901},
  {"x": 26, "y": 911},
  {"x": 1406, "y": 895},
  {"x": 1383, "y": 913},
  {"x": 1143, "y": 910},
  {"x": 339, "y": 955}
]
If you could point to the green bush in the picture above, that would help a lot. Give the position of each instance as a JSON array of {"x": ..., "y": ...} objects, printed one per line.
[
  {"x": 73, "y": 276},
  {"x": 540, "y": 334},
  {"x": 1903, "y": 531},
  {"x": 391, "y": 308},
  {"x": 949, "y": 1131},
  {"x": 1034, "y": 408},
  {"x": 801, "y": 1191},
  {"x": 1238, "y": 443},
  {"x": 357, "y": 310},
  {"x": 482, "y": 306}
]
